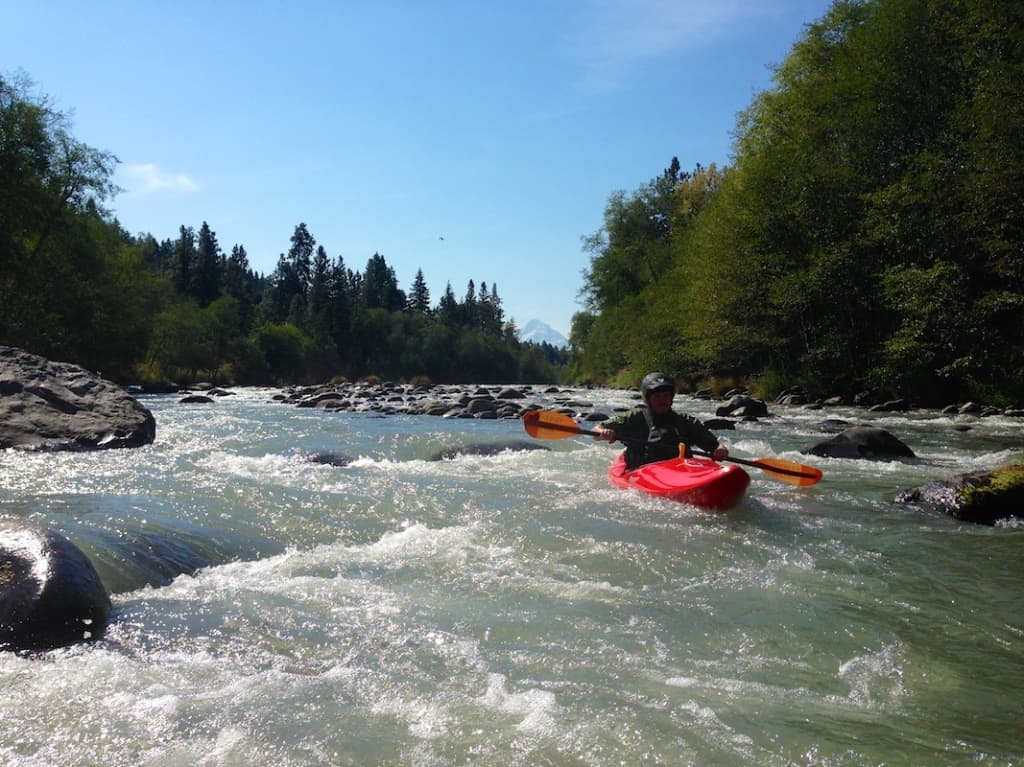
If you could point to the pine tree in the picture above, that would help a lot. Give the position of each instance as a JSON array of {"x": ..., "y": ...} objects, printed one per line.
[
  {"x": 419, "y": 296},
  {"x": 448, "y": 307},
  {"x": 380, "y": 286},
  {"x": 206, "y": 277},
  {"x": 319, "y": 321},
  {"x": 183, "y": 261}
]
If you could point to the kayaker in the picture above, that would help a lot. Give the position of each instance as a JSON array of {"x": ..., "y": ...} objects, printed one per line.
[{"x": 654, "y": 431}]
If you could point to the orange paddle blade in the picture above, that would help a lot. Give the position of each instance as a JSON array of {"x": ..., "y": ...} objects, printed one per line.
[
  {"x": 789, "y": 471},
  {"x": 547, "y": 424}
]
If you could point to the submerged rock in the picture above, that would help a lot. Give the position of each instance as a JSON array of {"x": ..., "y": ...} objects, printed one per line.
[
  {"x": 328, "y": 458},
  {"x": 195, "y": 399},
  {"x": 490, "y": 448}
]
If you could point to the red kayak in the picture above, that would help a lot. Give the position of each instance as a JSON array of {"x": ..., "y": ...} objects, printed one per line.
[{"x": 697, "y": 481}]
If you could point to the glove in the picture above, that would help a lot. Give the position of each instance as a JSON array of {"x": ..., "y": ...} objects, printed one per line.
[{"x": 721, "y": 453}]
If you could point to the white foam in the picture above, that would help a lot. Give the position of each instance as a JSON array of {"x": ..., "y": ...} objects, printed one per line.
[
  {"x": 876, "y": 678},
  {"x": 537, "y": 708}
]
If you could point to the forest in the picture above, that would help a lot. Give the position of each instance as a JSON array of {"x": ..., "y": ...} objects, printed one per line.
[
  {"x": 866, "y": 236},
  {"x": 76, "y": 287}
]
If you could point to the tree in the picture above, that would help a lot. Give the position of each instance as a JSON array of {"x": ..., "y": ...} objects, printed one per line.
[
  {"x": 183, "y": 261},
  {"x": 300, "y": 254},
  {"x": 324, "y": 355},
  {"x": 380, "y": 286},
  {"x": 467, "y": 309},
  {"x": 489, "y": 314},
  {"x": 342, "y": 292},
  {"x": 284, "y": 348},
  {"x": 57, "y": 246},
  {"x": 206, "y": 275},
  {"x": 241, "y": 284},
  {"x": 448, "y": 307},
  {"x": 419, "y": 295},
  {"x": 868, "y": 233}
]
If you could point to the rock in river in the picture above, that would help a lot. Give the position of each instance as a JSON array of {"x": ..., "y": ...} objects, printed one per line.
[
  {"x": 48, "y": 405},
  {"x": 50, "y": 593}
]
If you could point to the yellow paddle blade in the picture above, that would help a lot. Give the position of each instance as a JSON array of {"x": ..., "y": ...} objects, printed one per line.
[
  {"x": 547, "y": 424},
  {"x": 789, "y": 471}
]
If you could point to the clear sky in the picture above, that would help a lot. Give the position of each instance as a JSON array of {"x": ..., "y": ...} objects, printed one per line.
[{"x": 472, "y": 139}]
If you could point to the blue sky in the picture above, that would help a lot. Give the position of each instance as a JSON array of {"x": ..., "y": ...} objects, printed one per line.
[{"x": 470, "y": 139}]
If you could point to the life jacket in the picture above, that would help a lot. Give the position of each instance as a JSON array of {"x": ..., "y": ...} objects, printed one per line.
[{"x": 662, "y": 441}]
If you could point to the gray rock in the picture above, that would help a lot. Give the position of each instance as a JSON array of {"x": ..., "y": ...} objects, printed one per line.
[
  {"x": 891, "y": 406},
  {"x": 48, "y": 405},
  {"x": 511, "y": 393},
  {"x": 742, "y": 405},
  {"x": 50, "y": 593},
  {"x": 328, "y": 458},
  {"x": 479, "y": 405},
  {"x": 982, "y": 497},
  {"x": 869, "y": 442},
  {"x": 195, "y": 399},
  {"x": 488, "y": 448}
]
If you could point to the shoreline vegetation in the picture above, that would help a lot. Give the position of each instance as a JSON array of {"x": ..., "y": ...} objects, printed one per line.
[{"x": 866, "y": 240}]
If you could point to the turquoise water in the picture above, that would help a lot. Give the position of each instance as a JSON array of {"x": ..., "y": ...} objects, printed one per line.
[{"x": 516, "y": 609}]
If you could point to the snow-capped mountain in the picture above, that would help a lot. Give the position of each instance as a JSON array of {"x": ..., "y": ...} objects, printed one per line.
[{"x": 538, "y": 332}]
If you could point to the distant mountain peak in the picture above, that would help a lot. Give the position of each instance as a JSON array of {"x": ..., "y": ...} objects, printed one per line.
[{"x": 537, "y": 331}]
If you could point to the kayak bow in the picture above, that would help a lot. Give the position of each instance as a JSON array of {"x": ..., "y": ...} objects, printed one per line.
[{"x": 696, "y": 481}]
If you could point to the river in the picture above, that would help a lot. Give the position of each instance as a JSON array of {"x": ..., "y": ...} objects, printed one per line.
[{"x": 515, "y": 609}]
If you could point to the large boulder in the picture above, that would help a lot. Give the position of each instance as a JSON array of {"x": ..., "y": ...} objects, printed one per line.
[
  {"x": 978, "y": 496},
  {"x": 50, "y": 593},
  {"x": 868, "y": 442},
  {"x": 48, "y": 405},
  {"x": 742, "y": 405}
]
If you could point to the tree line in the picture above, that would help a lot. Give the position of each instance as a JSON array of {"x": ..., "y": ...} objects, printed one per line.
[
  {"x": 75, "y": 286},
  {"x": 868, "y": 233}
]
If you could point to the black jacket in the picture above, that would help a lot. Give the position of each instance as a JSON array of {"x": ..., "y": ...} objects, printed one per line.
[{"x": 649, "y": 437}]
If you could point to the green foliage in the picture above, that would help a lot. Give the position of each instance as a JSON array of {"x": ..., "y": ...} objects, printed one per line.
[
  {"x": 869, "y": 233},
  {"x": 62, "y": 264},
  {"x": 284, "y": 348}
]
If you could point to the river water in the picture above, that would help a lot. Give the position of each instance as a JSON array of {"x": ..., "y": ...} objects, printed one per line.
[{"x": 515, "y": 609}]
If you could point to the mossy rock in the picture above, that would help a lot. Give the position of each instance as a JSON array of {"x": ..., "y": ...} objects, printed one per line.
[{"x": 982, "y": 497}]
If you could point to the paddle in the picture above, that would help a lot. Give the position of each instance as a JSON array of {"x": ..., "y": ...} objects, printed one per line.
[{"x": 548, "y": 424}]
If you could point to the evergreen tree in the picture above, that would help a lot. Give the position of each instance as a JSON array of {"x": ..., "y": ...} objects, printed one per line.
[
  {"x": 320, "y": 299},
  {"x": 380, "y": 286},
  {"x": 419, "y": 296},
  {"x": 288, "y": 299},
  {"x": 490, "y": 316},
  {"x": 300, "y": 255},
  {"x": 207, "y": 268},
  {"x": 448, "y": 307},
  {"x": 341, "y": 309},
  {"x": 157, "y": 256},
  {"x": 240, "y": 284},
  {"x": 183, "y": 262},
  {"x": 468, "y": 315}
]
